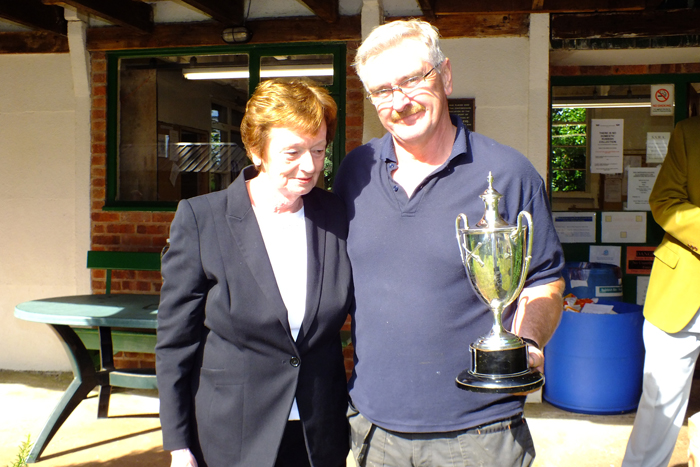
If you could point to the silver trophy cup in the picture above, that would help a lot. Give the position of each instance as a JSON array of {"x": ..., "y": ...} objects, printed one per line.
[{"x": 496, "y": 257}]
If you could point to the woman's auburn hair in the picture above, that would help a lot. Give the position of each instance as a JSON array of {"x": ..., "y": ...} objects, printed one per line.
[{"x": 298, "y": 104}]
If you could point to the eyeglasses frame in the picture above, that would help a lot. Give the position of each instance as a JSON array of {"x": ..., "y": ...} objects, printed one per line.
[{"x": 398, "y": 87}]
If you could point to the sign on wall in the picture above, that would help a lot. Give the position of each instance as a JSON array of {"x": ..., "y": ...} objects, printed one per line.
[
  {"x": 662, "y": 100},
  {"x": 464, "y": 109},
  {"x": 606, "y": 145}
]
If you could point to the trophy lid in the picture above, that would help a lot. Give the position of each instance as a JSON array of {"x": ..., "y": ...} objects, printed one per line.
[{"x": 492, "y": 218}]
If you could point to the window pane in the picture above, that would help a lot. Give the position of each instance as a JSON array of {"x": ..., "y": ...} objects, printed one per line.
[
  {"x": 178, "y": 121},
  {"x": 569, "y": 158}
]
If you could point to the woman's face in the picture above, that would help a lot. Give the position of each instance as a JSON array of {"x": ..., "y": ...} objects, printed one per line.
[{"x": 294, "y": 160}]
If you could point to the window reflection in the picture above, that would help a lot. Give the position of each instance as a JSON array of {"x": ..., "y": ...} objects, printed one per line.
[{"x": 179, "y": 137}]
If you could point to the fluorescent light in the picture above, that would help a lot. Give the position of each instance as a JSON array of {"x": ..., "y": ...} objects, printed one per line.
[
  {"x": 599, "y": 105},
  {"x": 275, "y": 71},
  {"x": 281, "y": 71},
  {"x": 216, "y": 73}
]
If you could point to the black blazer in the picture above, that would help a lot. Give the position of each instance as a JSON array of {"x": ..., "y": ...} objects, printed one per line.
[{"x": 227, "y": 366}]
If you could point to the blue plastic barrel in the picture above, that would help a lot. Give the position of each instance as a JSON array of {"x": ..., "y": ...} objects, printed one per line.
[
  {"x": 593, "y": 280},
  {"x": 594, "y": 362}
]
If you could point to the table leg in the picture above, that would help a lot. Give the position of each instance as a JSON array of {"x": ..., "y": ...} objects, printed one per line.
[
  {"x": 85, "y": 378},
  {"x": 107, "y": 364}
]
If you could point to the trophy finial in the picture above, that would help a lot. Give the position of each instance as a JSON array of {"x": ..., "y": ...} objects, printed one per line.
[{"x": 492, "y": 218}]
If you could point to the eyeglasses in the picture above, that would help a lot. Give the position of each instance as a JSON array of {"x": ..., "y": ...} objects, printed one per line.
[{"x": 406, "y": 86}]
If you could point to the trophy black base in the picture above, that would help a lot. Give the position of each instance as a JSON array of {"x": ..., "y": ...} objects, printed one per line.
[
  {"x": 501, "y": 371},
  {"x": 500, "y": 384}
]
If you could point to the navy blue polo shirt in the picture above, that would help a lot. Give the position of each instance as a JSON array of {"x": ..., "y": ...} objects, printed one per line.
[{"x": 416, "y": 313}]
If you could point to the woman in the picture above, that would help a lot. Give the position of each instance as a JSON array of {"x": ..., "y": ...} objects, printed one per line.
[{"x": 257, "y": 285}]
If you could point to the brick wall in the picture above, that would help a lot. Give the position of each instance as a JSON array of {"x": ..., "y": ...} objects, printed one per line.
[{"x": 148, "y": 231}]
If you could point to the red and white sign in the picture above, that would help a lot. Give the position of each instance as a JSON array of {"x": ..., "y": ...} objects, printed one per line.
[{"x": 662, "y": 99}]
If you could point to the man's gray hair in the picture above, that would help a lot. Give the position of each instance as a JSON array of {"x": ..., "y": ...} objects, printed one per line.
[{"x": 390, "y": 35}]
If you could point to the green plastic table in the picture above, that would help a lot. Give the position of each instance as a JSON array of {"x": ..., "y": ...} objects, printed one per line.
[{"x": 103, "y": 312}]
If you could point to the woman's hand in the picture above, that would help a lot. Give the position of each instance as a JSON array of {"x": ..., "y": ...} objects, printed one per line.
[{"x": 182, "y": 458}]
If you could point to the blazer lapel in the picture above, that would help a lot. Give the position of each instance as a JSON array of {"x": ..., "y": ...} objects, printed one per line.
[
  {"x": 316, "y": 251},
  {"x": 245, "y": 233}
]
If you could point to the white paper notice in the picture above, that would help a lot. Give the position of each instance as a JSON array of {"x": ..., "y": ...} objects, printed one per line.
[
  {"x": 607, "y": 254},
  {"x": 640, "y": 181},
  {"x": 657, "y": 146},
  {"x": 642, "y": 286},
  {"x": 575, "y": 227},
  {"x": 606, "y": 145},
  {"x": 624, "y": 227}
]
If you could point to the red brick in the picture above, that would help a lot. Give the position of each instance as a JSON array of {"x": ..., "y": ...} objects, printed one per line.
[
  {"x": 99, "y": 90},
  {"x": 121, "y": 228},
  {"x": 105, "y": 239},
  {"x": 105, "y": 216},
  {"x": 98, "y": 78},
  {"x": 151, "y": 229},
  {"x": 99, "y": 102},
  {"x": 163, "y": 217},
  {"x": 136, "y": 217}
]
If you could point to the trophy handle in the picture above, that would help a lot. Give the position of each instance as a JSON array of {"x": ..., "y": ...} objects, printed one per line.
[
  {"x": 461, "y": 223},
  {"x": 526, "y": 260}
]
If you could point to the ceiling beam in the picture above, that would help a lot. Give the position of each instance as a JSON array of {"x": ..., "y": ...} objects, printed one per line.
[
  {"x": 128, "y": 13},
  {"x": 426, "y": 7},
  {"x": 611, "y": 25},
  {"x": 470, "y": 25},
  {"x": 35, "y": 15},
  {"x": 229, "y": 12},
  {"x": 454, "y": 7},
  {"x": 306, "y": 29},
  {"x": 32, "y": 42},
  {"x": 327, "y": 10}
]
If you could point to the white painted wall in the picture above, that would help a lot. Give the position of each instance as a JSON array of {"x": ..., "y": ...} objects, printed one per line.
[{"x": 37, "y": 202}]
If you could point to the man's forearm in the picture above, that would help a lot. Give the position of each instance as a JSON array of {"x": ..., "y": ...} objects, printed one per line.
[{"x": 539, "y": 311}]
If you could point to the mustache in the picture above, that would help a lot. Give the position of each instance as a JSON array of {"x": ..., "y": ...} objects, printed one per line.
[{"x": 411, "y": 109}]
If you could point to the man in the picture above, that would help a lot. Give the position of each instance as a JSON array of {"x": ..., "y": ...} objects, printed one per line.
[
  {"x": 672, "y": 328},
  {"x": 416, "y": 312}
]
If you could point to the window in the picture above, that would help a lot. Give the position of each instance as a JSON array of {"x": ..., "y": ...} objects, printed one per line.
[
  {"x": 569, "y": 149},
  {"x": 174, "y": 117},
  {"x": 578, "y": 177}
]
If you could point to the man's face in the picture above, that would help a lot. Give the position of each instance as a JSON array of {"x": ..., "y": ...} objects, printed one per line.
[{"x": 413, "y": 116}]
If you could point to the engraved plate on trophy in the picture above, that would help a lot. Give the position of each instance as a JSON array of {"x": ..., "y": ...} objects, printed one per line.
[{"x": 496, "y": 257}]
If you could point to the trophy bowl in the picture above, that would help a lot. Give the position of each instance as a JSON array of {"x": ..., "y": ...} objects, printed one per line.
[{"x": 496, "y": 257}]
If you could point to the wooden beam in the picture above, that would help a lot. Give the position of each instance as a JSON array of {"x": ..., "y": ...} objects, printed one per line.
[
  {"x": 327, "y": 10},
  {"x": 642, "y": 24},
  {"x": 209, "y": 33},
  {"x": 471, "y": 25},
  {"x": 537, "y": 5},
  {"x": 35, "y": 15},
  {"x": 228, "y": 12},
  {"x": 457, "y": 7},
  {"x": 426, "y": 7},
  {"x": 38, "y": 42},
  {"x": 128, "y": 13}
]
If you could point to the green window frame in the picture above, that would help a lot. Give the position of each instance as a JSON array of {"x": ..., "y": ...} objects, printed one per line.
[{"x": 255, "y": 53}]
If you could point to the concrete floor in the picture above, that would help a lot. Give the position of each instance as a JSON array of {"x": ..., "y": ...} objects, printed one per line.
[{"x": 131, "y": 435}]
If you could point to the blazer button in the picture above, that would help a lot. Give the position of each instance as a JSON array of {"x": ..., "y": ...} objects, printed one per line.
[{"x": 294, "y": 361}]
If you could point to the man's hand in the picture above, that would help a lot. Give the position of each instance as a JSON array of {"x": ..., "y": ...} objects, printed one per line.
[{"x": 535, "y": 358}]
